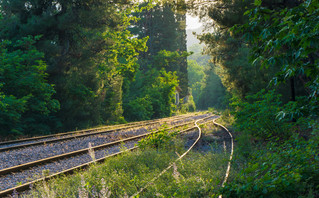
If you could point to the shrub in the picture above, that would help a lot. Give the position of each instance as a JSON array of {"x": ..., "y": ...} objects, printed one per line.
[
  {"x": 257, "y": 119},
  {"x": 160, "y": 139},
  {"x": 290, "y": 169},
  {"x": 139, "y": 109}
]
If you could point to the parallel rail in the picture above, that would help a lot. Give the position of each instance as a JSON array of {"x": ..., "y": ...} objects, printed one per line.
[
  {"x": 81, "y": 151},
  {"x": 25, "y": 186},
  {"x": 85, "y": 130},
  {"x": 85, "y": 133},
  {"x": 151, "y": 182}
]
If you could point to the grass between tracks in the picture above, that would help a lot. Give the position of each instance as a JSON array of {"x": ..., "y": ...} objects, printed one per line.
[{"x": 198, "y": 174}]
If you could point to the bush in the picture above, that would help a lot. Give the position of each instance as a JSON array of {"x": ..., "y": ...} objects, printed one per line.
[
  {"x": 257, "y": 118},
  {"x": 289, "y": 170},
  {"x": 160, "y": 139},
  {"x": 139, "y": 109}
]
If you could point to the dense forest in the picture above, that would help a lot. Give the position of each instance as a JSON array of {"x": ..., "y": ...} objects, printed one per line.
[
  {"x": 71, "y": 65},
  {"x": 266, "y": 55},
  {"x": 76, "y": 64}
]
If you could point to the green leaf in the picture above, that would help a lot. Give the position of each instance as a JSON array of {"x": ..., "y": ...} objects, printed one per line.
[{"x": 257, "y": 2}]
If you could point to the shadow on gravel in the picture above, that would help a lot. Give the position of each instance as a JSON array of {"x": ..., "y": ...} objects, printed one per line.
[{"x": 213, "y": 139}]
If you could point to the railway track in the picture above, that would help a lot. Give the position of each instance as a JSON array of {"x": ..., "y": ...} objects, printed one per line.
[
  {"x": 36, "y": 152},
  {"x": 231, "y": 152},
  {"x": 21, "y": 143},
  {"x": 70, "y": 161},
  {"x": 152, "y": 181}
]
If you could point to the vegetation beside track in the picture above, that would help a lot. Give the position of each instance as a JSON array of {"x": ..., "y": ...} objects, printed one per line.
[
  {"x": 281, "y": 168},
  {"x": 274, "y": 157},
  {"x": 199, "y": 174}
]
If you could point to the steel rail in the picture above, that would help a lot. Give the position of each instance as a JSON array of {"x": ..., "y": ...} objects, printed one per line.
[
  {"x": 231, "y": 153},
  {"x": 88, "y": 130},
  {"x": 81, "y": 151},
  {"x": 26, "y": 186},
  {"x": 89, "y": 133},
  {"x": 151, "y": 182}
]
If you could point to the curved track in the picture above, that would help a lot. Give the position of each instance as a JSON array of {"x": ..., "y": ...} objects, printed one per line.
[
  {"x": 172, "y": 164},
  {"x": 32, "y": 153},
  {"x": 231, "y": 152},
  {"x": 69, "y": 161},
  {"x": 186, "y": 152}
]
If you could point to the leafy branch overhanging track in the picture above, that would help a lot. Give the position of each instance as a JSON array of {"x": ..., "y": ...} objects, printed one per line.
[{"x": 25, "y": 186}]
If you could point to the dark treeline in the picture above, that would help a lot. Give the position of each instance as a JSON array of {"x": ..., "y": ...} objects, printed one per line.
[{"x": 75, "y": 64}]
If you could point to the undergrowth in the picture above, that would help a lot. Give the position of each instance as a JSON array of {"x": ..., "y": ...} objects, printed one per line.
[
  {"x": 289, "y": 169},
  {"x": 161, "y": 139},
  {"x": 199, "y": 174},
  {"x": 275, "y": 156}
]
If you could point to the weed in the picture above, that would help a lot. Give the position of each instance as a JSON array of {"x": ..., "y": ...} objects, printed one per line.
[
  {"x": 47, "y": 192},
  {"x": 105, "y": 192},
  {"x": 176, "y": 174},
  {"x": 92, "y": 153},
  {"x": 157, "y": 140},
  {"x": 45, "y": 172}
]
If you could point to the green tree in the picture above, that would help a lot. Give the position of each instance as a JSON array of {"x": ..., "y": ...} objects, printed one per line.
[
  {"x": 25, "y": 95},
  {"x": 207, "y": 88},
  {"x": 229, "y": 52},
  {"x": 88, "y": 51},
  {"x": 165, "y": 27},
  {"x": 196, "y": 76},
  {"x": 154, "y": 92},
  {"x": 198, "y": 56},
  {"x": 213, "y": 93},
  {"x": 290, "y": 44}
]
